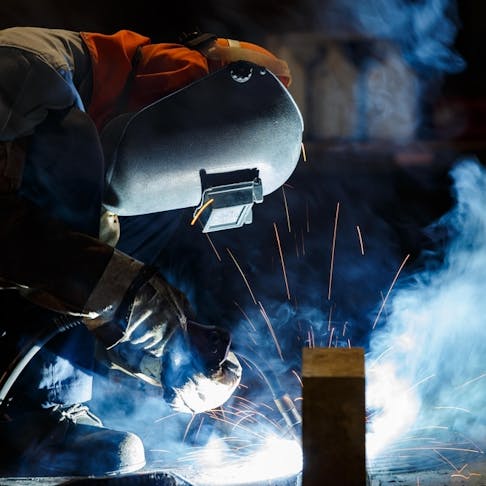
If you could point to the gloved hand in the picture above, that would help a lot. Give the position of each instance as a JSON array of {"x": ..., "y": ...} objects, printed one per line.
[{"x": 148, "y": 334}]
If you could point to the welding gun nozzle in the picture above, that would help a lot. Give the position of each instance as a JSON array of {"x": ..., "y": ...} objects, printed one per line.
[{"x": 290, "y": 414}]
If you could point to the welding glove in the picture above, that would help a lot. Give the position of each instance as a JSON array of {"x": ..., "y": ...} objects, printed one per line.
[{"x": 144, "y": 324}]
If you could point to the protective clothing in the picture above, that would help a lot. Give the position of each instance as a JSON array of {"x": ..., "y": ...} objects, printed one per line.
[
  {"x": 50, "y": 241},
  {"x": 161, "y": 68},
  {"x": 148, "y": 334},
  {"x": 58, "y": 91},
  {"x": 68, "y": 441}
]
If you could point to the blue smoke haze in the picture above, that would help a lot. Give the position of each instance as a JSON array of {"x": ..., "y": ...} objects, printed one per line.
[
  {"x": 431, "y": 320},
  {"x": 435, "y": 331},
  {"x": 425, "y": 30}
]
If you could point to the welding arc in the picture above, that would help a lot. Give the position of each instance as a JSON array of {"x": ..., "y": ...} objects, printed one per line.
[{"x": 31, "y": 349}]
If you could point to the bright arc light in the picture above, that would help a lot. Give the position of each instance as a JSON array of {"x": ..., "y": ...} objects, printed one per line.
[{"x": 276, "y": 458}]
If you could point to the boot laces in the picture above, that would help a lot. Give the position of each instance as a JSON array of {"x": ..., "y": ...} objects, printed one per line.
[{"x": 77, "y": 412}]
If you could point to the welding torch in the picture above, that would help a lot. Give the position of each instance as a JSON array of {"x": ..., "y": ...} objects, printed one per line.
[{"x": 285, "y": 405}]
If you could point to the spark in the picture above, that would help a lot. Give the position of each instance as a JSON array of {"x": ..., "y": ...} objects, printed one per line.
[
  {"x": 456, "y": 449},
  {"x": 329, "y": 319},
  {"x": 221, "y": 409},
  {"x": 303, "y": 242},
  {"x": 166, "y": 417},
  {"x": 245, "y": 361},
  {"x": 243, "y": 409},
  {"x": 387, "y": 350},
  {"x": 243, "y": 399},
  {"x": 266, "y": 406},
  {"x": 360, "y": 240},
  {"x": 330, "y": 337},
  {"x": 395, "y": 278},
  {"x": 200, "y": 211},
  {"x": 383, "y": 298},
  {"x": 272, "y": 332},
  {"x": 445, "y": 459},
  {"x": 260, "y": 414},
  {"x": 286, "y": 209},
  {"x": 213, "y": 247},
  {"x": 311, "y": 338},
  {"x": 188, "y": 427},
  {"x": 472, "y": 381},
  {"x": 454, "y": 408},
  {"x": 421, "y": 381},
  {"x": 242, "y": 274},
  {"x": 246, "y": 316},
  {"x": 307, "y": 219},
  {"x": 331, "y": 269},
  {"x": 298, "y": 378},
  {"x": 220, "y": 412},
  {"x": 461, "y": 475},
  {"x": 247, "y": 416},
  {"x": 304, "y": 156},
  {"x": 282, "y": 260},
  {"x": 199, "y": 428}
]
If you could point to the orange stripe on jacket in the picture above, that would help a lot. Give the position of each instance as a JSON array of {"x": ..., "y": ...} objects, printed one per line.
[
  {"x": 111, "y": 59},
  {"x": 162, "y": 69}
]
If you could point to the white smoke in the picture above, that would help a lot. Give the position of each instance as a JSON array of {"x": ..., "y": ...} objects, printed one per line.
[
  {"x": 424, "y": 29},
  {"x": 426, "y": 366}
]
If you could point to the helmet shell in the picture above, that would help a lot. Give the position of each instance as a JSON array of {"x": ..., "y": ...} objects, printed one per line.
[{"x": 237, "y": 118}]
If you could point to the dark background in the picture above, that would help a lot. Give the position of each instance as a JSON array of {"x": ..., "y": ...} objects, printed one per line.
[
  {"x": 392, "y": 202},
  {"x": 254, "y": 20}
]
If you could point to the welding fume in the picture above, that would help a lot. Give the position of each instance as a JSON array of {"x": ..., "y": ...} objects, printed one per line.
[{"x": 94, "y": 127}]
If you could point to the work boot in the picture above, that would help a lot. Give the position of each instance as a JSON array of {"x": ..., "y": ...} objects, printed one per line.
[{"x": 67, "y": 441}]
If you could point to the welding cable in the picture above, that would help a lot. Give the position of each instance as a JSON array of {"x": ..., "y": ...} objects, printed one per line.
[
  {"x": 284, "y": 403},
  {"x": 61, "y": 324}
]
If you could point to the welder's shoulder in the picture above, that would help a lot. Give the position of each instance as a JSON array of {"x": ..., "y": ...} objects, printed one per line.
[{"x": 57, "y": 47}]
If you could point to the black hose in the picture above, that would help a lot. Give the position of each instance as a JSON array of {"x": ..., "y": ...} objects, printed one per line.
[{"x": 58, "y": 325}]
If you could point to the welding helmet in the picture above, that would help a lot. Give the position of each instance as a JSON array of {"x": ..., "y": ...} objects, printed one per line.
[{"x": 218, "y": 145}]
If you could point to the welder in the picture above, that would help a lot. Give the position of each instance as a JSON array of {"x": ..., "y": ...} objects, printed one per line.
[{"x": 91, "y": 130}]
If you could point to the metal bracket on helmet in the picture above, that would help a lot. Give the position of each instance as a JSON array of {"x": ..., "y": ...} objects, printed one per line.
[{"x": 230, "y": 206}]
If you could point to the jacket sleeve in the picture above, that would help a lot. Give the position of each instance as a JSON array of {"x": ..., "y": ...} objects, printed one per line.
[
  {"x": 53, "y": 266},
  {"x": 29, "y": 86}
]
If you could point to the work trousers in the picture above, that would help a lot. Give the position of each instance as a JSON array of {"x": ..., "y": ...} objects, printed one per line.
[{"x": 62, "y": 182}]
